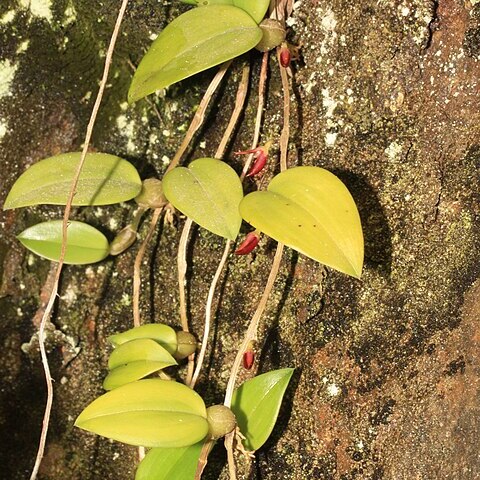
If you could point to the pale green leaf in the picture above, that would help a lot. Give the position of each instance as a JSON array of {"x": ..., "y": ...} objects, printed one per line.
[
  {"x": 139, "y": 349},
  {"x": 170, "y": 463},
  {"x": 163, "y": 334},
  {"x": 310, "y": 210},
  {"x": 195, "y": 41},
  {"x": 256, "y": 404},
  {"x": 85, "y": 244},
  {"x": 255, "y": 8},
  {"x": 132, "y": 372},
  {"x": 105, "y": 179},
  {"x": 149, "y": 413},
  {"x": 206, "y": 3},
  {"x": 209, "y": 192}
]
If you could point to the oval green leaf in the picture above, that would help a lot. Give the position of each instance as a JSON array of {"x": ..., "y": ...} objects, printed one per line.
[
  {"x": 163, "y": 334},
  {"x": 85, "y": 244},
  {"x": 206, "y": 3},
  {"x": 132, "y": 372},
  {"x": 255, "y": 8},
  {"x": 209, "y": 192},
  {"x": 105, "y": 179},
  {"x": 310, "y": 210},
  {"x": 256, "y": 404},
  {"x": 195, "y": 41},
  {"x": 149, "y": 413},
  {"x": 139, "y": 349},
  {"x": 170, "y": 463}
]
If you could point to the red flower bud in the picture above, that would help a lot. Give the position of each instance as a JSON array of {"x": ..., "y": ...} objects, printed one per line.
[
  {"x": 250, "y": 242},
  {"x": 285, "y": 56},
  {"x": 258, "y": 165},
  {"x": 249, "y": 357}
]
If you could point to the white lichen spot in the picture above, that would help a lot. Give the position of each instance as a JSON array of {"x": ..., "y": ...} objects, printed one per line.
[
  {"x": 31, "y": 260},
  {"x": 405, "y": 11},
  {"x": 291, "y": 21},
  {"x": 113, "y": 224},
  {"x": 127, "y": 128},
  {"x": 393, "y": 150},
  {"x": 126, "y": 300},
  {"x": 70, "y": 15},
  {"x": 7, "y": 17},
  {"x": 23, "y": 47},
  {"x": 39, "y": 8},
  {"x": 64, "y": 380},
  {"x": 7, "y": 74},
  {"x": 19, "y": 312},
  {"x": 310, "y": 84},
  {"x": 86, "y": 97},
  {"x": 333, "y": 390},
  {"x": 166, "y": 133},
  {"x": 203, "y": 144},
  {"x": 3, "y": 129},
  {"x": 153, "y": 36},
  {"x": 165, "y": 160},
  {"x": 331, "y": 138},
  {"x": 329, "y": 21},
  {"x": 116, "y": 456},
  {"x": 124, "y": 106},
  {"x": 69, "y": 296},
  {"x": 328, "y": 102}
]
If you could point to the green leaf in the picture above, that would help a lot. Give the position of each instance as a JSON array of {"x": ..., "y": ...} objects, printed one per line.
[
  {"x": 132, "y": 372},
  {"x": 85, "y": 244},
  {"x": 170, "y": 463},
  {"x": 163, "y": 334},
  {"x": 149, "y": 413},
  {"x": 256, "y": 404},
  {"x": 209, "y": 192},
  {"x": 310, "y": 210},
  {"x": 206, "y": 3},
  {"x": 195, "y": 41},
  {"x": 104, "y": 179},
  {"x": 139, "y": 349},
  {"x": 255, "y": 8}
]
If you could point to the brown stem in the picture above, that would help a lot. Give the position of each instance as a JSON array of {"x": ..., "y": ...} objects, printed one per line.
[
  {"x": 137, "y": 268},
  {"x": 239, "y": 103},
  {"x": 261, "y": 103},
  {"x": 253, "y": 327},
  {"x": 285, "y": 135},
  {"x": 199, "y": 114},
  {"x": 66, "y": 216},
  {"x": 182, "y": 273},
  {"x": 208, "y": 313},
  {"x": 202, "y": 461},
  {"x": 229, "y": 439}
]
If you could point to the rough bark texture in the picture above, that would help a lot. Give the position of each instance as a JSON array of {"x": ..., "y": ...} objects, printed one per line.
[{"x": 387, "y": 369}]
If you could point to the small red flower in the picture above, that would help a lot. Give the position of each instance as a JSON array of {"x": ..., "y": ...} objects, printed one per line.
[
  {"x": 250, "y": 242},
  {"x": 285, "y": 56},
  {"x": 261, "y": 157}
]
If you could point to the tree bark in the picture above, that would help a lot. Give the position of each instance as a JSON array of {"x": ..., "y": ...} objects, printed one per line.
[{"x": 386, "y": 96}]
